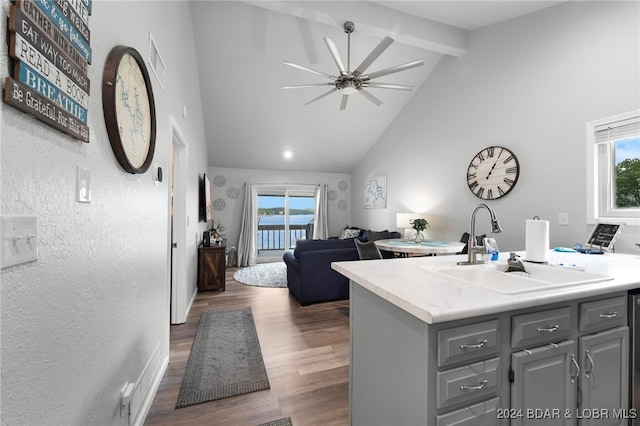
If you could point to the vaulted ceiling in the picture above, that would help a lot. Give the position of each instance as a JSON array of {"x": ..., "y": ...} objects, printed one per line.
[{"x": 250, "y": 121}]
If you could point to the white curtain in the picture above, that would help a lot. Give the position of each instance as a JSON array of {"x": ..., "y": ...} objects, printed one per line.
[
  {"x": 321, "y": 226},
  {"x": 247, "y": 244}
]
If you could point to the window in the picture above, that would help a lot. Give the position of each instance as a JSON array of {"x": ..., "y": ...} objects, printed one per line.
[
  {"x": 613, "y": 169},
  {"x": 285, "y": 215}
]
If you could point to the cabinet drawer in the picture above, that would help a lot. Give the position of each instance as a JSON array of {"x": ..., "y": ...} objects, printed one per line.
[
  {"x": 602, "y": 314},
  {"x": 540, "y": 327},
  {"x": 468, "y": 343},
  {"x": 467, "y": 383},
  {"x": 484, "y": 413}
]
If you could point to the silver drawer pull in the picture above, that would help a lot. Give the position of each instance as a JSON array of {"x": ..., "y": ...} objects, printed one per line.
[
  {"x": 478, "y": 345},
  {"x": 609, "y": 315},
  {"x": 475, "y": 388},
  {"x": 592, "y": 365},
  {"x": 548, "y": 329},
  {"x": 574, "y": 363}
]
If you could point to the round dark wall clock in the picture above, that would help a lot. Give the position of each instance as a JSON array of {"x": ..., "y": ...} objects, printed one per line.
[
  {"x": 493, "y": 173},
  {"x": 129, "y": 109}
]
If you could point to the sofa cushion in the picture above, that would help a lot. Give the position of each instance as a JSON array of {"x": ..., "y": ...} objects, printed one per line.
[
  {"x": 378, "y": 235},
  {"x": 312, "y": 245}
]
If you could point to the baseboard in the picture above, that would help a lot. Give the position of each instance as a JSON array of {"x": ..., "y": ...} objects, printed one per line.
[{"x": 148, "y": 384}]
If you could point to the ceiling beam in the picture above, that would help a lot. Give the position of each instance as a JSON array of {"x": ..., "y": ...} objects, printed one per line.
[{"x": 377, "y": 21}]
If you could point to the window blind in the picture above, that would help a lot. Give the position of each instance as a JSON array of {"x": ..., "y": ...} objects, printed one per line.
[{"x": 617, "y": 130}]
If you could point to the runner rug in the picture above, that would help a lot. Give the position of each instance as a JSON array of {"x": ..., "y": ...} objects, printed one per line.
[{"x": 225, "y": 358}]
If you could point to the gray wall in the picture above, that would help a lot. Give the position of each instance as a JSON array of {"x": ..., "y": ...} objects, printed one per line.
[
  {"x": 530, "y": 84},
  {"x": 93, "y": 311},
  {"x": 231, "y": 215}
]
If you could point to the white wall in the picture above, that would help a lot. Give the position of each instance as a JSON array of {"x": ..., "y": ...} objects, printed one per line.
[
  {"x": 231, "y": 215},
  {"x": 93, "y": 311},
  {"x": 530, "y": 84}
]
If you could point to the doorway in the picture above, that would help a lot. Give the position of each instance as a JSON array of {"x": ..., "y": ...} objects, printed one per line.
[
  {"x": 178, "y": 226},
  {"x": 285, "y": 215}
]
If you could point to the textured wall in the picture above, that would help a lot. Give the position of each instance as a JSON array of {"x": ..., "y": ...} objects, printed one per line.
[
  {"x": 530, "y": 84},
  {"x": 93, "y": 311}
]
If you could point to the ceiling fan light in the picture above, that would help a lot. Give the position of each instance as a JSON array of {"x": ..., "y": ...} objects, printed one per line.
[{"x": 349, "y": 88}]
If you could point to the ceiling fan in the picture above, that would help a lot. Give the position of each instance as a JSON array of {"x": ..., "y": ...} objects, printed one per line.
[{"x": 350, "y": 82}]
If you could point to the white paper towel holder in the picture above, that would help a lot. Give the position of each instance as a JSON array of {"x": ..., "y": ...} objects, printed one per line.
[{"x": 540, "y": 262}]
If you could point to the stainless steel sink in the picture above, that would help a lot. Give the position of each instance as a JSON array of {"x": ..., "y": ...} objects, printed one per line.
[{"x": 493, "y": 277}]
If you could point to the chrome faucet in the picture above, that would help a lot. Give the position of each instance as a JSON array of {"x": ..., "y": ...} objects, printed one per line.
[{"x": 473, "y": 250}]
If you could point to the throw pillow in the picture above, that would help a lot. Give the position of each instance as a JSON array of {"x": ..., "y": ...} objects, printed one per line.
[{"x": 349, "y": 233}]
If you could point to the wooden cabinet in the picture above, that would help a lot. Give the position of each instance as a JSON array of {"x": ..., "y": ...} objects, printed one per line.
[{"x": 212, "y": 264}]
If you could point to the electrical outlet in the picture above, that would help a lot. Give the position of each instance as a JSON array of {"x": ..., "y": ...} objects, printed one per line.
[
  {"x": 563, "y": 219},
  {"x": 19, "y": 235},
  {"x": 125, "y": 398}
]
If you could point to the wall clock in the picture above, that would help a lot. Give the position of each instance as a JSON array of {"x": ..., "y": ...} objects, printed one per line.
[
  {"x": 493, "y": 173},
  {"x": 129, "y": 109}
]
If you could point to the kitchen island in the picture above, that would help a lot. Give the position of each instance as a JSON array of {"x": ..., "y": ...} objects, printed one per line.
[{"x": 430, "y": 350}]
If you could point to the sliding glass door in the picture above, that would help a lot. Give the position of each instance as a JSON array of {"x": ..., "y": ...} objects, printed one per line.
[{"x": 285, "y": 215}]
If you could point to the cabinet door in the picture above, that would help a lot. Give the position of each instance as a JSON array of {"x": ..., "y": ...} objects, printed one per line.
[
  {"x": 211, "y": 268},
  {"x": 604, "y": 380},
  {"x": 544, "y": 385}
]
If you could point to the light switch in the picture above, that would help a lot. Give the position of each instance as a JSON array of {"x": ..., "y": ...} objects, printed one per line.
[
  {"x": 563, "y": 219},
  {"x": 84, "y": 185},
  {"x": 19, "y": 235}
]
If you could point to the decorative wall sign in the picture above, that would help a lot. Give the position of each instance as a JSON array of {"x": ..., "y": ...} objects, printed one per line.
[
  {"x": 332, "y": 195},
  {"x": 219, "y": 180},
  {"x": 375, "y": 193},
  {"x": 49, "y": 47},
  {"x": 342, "y": 205},
  {"x": 343, "y": 185}
]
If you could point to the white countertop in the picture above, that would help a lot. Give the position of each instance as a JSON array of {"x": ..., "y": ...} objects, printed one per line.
[
  {"x": 401, "y": 245},
  {"x": 433, "y": 299}
]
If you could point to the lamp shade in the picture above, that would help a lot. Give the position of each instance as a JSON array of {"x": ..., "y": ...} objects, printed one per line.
[{"x": 403, "y": 219}]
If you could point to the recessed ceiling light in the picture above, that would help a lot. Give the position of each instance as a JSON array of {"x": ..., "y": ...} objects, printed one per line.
[{"x": 288, "y": 154}]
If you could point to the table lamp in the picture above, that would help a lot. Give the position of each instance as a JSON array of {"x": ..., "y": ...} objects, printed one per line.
[{"x": 403, "y": 221}]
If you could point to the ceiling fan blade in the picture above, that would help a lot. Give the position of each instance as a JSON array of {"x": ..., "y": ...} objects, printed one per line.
[
  {"x": 300, "y": 86},
  {"x": 381, "y": 47},
  {"x": 391, "y": 70},
  {"x": 335, "y": 55},
  {"x": 343, "y": 102},
  {"x": 389, "y": 86},
  {"x": 370, "y": 97},
  {"x": 322, "y": 96},
  {"x": 291, "y": 64}
]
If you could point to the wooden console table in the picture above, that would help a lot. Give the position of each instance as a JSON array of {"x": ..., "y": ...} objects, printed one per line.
[{"x": 211, "y": 268}]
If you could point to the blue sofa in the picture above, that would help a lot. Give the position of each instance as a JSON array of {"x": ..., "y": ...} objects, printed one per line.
[{"x": 309, "y": 275}]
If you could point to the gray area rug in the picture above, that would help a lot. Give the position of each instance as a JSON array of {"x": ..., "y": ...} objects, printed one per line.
[
  {"x": 263, "y": 275},
  {"x": 225, "y": 358},
  {"x": 280, "y": 422}
]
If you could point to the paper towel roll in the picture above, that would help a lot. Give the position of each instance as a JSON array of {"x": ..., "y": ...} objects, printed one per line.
[{"x": 537, "y": 241}]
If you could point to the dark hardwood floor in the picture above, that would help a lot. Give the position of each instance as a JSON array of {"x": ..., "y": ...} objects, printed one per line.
[{"x": 305, "y": 351}]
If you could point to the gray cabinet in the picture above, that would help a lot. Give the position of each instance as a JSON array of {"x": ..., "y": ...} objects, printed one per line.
[
  {"x": 569, "y": 380},
  {"x": 604, "y": 379},
  {"x": 544, "y": 385},
  {"x": 536, "y": 366}
]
